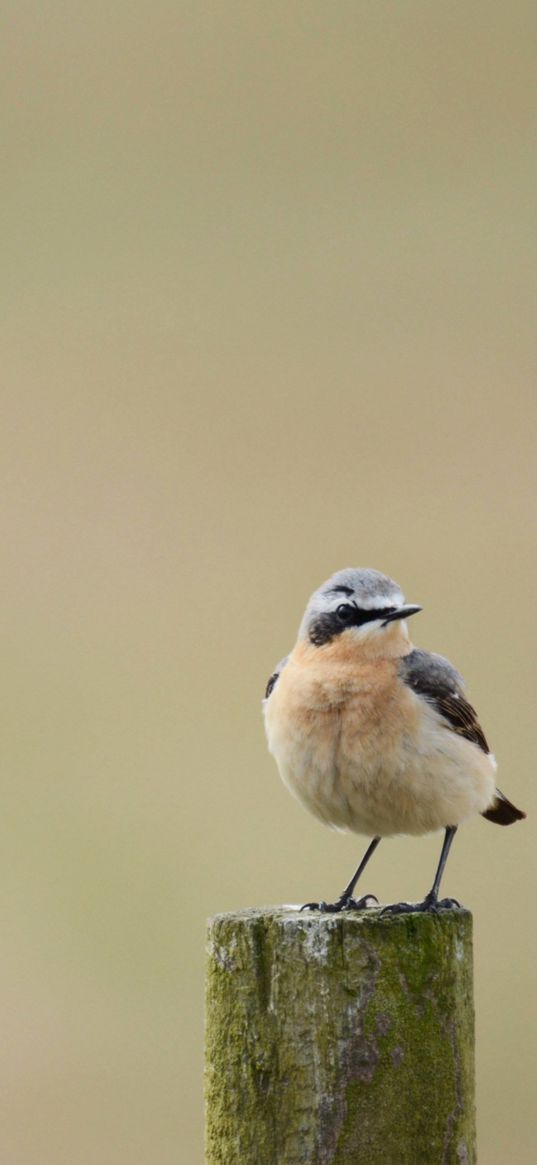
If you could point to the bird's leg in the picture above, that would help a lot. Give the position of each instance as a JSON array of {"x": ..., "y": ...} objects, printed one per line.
[
  {"x": 431, "y": 901},
  {"x": 346, "y": 895},
  {"x": 432, "y": 896},
  {"x": 346, "y": 900}
]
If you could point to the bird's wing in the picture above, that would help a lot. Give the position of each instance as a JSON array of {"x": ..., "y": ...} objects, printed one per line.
[
  {"x": 273, "y": 680},
  {"x": 435, "y": 679}
]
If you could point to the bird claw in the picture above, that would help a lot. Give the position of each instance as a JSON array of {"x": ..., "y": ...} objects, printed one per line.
[
  {"x": 357, "y": 903},
  {"x": 341, "y": 904},
  {"x": 430, "y": 905}
]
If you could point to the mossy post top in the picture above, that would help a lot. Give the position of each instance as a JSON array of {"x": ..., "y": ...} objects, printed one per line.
[{"x": 295, "y": 914}]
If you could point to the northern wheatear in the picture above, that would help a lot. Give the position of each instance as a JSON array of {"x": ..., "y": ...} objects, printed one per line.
[{"x": 374, "y": 735}]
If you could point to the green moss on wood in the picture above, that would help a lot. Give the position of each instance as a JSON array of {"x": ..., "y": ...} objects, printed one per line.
[{"x": 339, "y": 1039}]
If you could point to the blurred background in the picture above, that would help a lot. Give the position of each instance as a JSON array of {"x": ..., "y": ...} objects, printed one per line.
[{"x": 269, "y": 277}]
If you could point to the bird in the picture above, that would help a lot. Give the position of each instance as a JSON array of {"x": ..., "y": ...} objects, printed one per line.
[{"x": 374, "y": 735}]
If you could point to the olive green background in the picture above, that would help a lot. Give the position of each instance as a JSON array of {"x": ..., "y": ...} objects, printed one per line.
[{"x": 268, "y": 310}]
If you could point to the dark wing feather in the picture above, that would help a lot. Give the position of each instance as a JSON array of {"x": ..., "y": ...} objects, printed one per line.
[
  {"x": 273, "y": 679},
  {"x": 271, "y": 683},
  {"x": 462, "y": 719},
  {"x": 434, "y": 679}
]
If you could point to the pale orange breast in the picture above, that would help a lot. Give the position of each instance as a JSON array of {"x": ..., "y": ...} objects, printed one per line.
[{"x": 331, "y": 721}]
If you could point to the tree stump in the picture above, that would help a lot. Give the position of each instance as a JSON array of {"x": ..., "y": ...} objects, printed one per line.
[{"x": 340, "y": 1039}]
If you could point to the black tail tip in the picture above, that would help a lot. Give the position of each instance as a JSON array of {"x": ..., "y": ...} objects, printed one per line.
[{"x": 503, "y": 812}]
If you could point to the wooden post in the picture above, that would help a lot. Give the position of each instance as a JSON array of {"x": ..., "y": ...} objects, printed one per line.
[{"x": 340, "y": 1039}]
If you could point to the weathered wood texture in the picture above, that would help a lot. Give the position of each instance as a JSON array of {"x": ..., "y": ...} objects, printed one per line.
[{"x": 340, "y": 1039}]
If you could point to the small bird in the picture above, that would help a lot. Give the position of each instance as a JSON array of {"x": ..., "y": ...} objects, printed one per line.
[{"x": 374, "y": 735}]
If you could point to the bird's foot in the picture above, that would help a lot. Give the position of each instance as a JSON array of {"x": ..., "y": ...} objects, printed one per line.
[
  {"x": 431, "y": 905},
  {"x": 343, "y": 903}
]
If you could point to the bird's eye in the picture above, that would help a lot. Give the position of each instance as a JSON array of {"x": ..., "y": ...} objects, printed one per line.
[{"x": 345, "y": 612}]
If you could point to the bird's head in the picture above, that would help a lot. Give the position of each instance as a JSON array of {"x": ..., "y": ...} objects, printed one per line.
[{"x": 359, "y": 603}]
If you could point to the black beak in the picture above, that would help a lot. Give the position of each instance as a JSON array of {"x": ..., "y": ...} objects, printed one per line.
[{"x": 401, "y": 613}]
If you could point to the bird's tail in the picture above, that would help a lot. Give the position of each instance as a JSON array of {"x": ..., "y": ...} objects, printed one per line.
[{"x": 502, "y": 811}]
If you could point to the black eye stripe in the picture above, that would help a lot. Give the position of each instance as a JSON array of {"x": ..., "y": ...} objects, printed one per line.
[
  {"x": 330, "y": 623},
  {"x": 369, "y": 616}
]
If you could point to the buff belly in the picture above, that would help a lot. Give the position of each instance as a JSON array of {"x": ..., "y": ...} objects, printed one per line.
[{"x": 402, "y": 771}]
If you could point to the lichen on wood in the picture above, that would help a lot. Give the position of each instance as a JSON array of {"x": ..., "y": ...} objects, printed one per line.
[{"x": 340, "y": 1039}]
